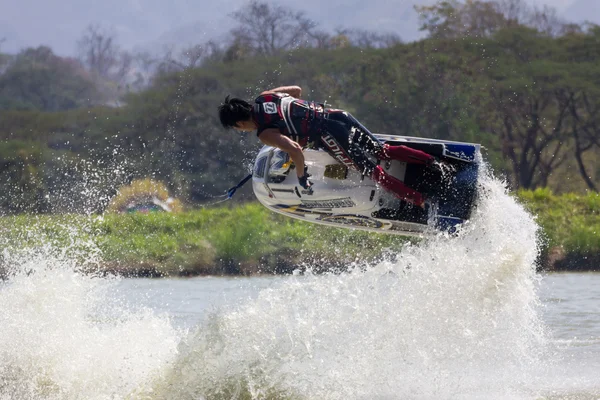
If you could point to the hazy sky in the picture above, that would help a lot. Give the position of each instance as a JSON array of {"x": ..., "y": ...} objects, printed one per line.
[{"x": 151, "y": 23}]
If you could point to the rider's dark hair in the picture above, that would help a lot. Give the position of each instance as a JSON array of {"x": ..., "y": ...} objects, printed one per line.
[{"x": 234, "y": 110}]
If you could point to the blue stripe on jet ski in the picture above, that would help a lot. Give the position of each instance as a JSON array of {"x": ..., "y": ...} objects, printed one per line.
[{"x": 463, "y": 152}]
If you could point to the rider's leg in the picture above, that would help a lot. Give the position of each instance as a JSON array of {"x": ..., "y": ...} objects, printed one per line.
[
  {"x": 365, "y": 140},
  {"x": 360, "y": 136},
  {"x": 335, "y": 139}
]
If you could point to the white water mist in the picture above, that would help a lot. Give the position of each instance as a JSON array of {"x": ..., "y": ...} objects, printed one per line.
[
  {"x": 64, "y": 335},
  {"x": 453, "y": 317}
]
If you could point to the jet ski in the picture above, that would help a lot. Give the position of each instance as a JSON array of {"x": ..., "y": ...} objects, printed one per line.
[{"x": 344, "y": 198}]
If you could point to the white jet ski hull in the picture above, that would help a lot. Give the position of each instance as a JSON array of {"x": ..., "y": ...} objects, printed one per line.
[{"x": 343, "y": 198}]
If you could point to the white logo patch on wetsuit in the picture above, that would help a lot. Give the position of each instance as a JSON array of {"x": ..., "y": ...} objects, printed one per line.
[{"x": 270, "y": 107}]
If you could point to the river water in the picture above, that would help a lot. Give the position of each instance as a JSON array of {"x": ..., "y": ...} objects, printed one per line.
[
  {"x": 570, "y": 309},
  {"x": 155, "y": 338},
  {"x": 464, "y": 317}
]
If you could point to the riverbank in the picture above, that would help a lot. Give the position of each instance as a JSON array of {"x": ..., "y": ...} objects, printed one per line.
[
  {"x": 570, "y": 228},
  {"x": 248, "y": 239},
  {"x": 241, "y": 240}
]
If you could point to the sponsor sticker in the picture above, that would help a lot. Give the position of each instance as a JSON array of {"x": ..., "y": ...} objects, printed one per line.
[
  {"x": 333, "y": 203},
  {"x": 270, "y": 107},
  {"x": 283, "y": 190},
  {"x": 356, "y": 220},
  {"x": 337, "y": 150},
  {"x": 460, "y": 151},
  {"x": 459, "y": 154}
]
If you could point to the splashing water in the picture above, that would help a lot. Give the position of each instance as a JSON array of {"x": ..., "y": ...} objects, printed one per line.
[
  {"x": 63, "y": 336},
  {"x": 451, "y": 318}
]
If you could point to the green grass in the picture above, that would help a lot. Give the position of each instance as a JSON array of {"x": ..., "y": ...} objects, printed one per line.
[
  {"x": 245, "y": 239},
  {"x": 569, "y": 220},
  {"x": 248, "y": 239}
]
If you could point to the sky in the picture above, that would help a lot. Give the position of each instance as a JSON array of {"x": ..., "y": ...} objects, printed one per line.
[{"x": 157, "y": 24}]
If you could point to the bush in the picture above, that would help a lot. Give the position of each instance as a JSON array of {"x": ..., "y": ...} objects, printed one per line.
[
  {"x": 248, "y": 239},
  {"x": 568, "y": 220}
]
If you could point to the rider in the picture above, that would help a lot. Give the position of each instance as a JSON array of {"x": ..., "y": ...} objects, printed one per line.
[{"x": 284, "y": 121}]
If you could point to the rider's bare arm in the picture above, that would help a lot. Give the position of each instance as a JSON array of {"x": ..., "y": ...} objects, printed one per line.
[
  {"x": 272, "y": 137},
  {"x": 294, "y": 91}
]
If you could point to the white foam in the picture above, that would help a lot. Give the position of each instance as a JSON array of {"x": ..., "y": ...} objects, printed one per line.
[
  {"x": 451, "y": 318},
  {"x": 62, "y": 336},
  {"x": 454, "y": 317}
]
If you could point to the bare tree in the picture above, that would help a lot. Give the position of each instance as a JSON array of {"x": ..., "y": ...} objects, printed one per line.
[
  {"x": 144, "y": 66},
  {"x": 123, "y": 66},
  {"x": 516, "y": 12},
  {"x": 320, "y": 39},
  {"x": 585, "y": 125},
  {"x": 546, "y": 21},
  {"x": 145, "y": 61},
  {"x": 98, "y": 50},
  {"x": 268, "y": 29},
  {"x": 100, "y": 53},
  {"x": 451, "y": 19},
  {"x": 533, "y": 129},
  {"x": 191, "y": 57},
  {"x": 238, "y": 50},
  {"x": 481, "y": 18},
  {"x": 369, "y": 39}
]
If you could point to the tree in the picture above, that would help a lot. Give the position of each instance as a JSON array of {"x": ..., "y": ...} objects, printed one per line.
[
  {"x": 453, "y": 19},
  {"x": 585, "y": 127},
  {"x": 111, "y": 67},
  {"x": 320, "y": 39},
  {"x": 191, "y": 57},
  {"x": 268, "y": 29},
  {"x": 525, "y": 110},
  {"x": 38, "y": 79},
  {"x": 366, "y": 39},
  {"x": 100, "y": 53},
  {"x": 21, "y": 188},
  {"x": 581, "y": 52},
  {"x": 483, "y": 18},
  {"x": 144, "y": 67},
  {"x": 547, "y": 21},
  {"x": 531, "y": 99},
  {"x": 516, "y": 12}
]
